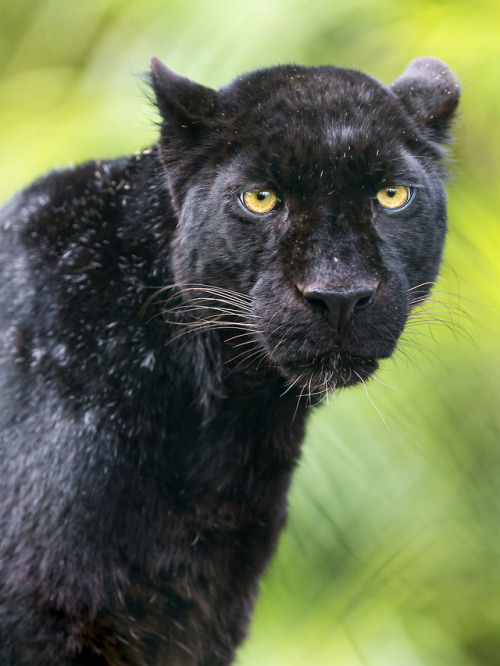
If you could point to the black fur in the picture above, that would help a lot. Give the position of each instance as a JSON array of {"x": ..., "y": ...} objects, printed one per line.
[{"x": 158, "y": 349}]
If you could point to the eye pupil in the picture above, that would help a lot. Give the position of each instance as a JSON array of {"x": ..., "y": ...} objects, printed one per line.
[{"x": 391, "y": 192}]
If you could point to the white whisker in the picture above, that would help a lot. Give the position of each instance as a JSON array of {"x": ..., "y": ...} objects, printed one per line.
[
  {"x": 383, "y": 383},
  {"x": 369, "y": 398}
]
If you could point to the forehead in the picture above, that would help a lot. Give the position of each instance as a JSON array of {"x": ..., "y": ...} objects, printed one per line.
[
  {"x": 305, "y": 121},
  {"x": 308, "y": 98}
]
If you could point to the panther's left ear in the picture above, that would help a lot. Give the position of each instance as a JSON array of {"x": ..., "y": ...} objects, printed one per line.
[{"x": 430, "y": 92}]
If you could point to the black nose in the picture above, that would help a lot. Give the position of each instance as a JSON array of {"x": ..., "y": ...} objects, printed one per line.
[{"x": 338, "y": 304}]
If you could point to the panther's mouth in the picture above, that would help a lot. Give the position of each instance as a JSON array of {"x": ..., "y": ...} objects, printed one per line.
[
  {"x": 314, "y": 375},
  {"x": 325, "y": 374}
]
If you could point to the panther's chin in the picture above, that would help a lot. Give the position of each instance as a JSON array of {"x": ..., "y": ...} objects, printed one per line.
[{"x": 325, "y": 374}]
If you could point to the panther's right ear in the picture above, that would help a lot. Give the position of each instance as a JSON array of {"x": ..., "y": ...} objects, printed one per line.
[
  {"x": 184, "y": 105},
  {"x": 430, "y": 92},
  {"x": 189, "y": 113}
]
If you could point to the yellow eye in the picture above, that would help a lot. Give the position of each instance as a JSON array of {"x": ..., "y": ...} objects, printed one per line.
[
  {"x": 393, "y": 197},
  {"x": 260, "y": 201}
]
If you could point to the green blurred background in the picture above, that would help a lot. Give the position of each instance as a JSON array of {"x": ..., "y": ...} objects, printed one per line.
[{"x": 392, "y": 553}]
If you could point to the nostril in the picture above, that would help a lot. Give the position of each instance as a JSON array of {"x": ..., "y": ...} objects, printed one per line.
[
  {"x": 364, "y": 301},
  {"x": 317, "y": 304}
]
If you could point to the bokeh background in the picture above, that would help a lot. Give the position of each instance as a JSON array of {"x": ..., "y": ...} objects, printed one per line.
[{"x": 392, "y": 553}]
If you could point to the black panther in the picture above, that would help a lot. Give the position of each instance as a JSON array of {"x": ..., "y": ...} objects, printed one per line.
[{"x": 167, "y": 318}]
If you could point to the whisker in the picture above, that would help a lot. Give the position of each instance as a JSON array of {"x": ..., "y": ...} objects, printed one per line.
[
  {"x": 374, "y": 376},
  {"x": 291, "y": 385},
  {"x": 370, "y": 399},
  {"x": 198, "y": 330},
  {"x": 276, "y": 347},
  {"x": 246, "y": 355},
  {"x": 209, "y": 320},
  {"x": 201, "y": 301},
  {"x": 228, "y": 296},
  {"x": 242, "y": 344},
  {"x": 249, "y": 358},
  {"x": 422, "y": 284},
  {"x": 242, "y": 335},
  {"x": 189, "y": 306},
  {"x": 298, "y": 400}
]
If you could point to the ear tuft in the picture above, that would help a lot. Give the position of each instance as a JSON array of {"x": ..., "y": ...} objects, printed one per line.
[{"x": 429, "y": 91}]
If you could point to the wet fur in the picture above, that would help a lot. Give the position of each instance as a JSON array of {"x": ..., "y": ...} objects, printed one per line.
[{"x": 157, "y": 357}]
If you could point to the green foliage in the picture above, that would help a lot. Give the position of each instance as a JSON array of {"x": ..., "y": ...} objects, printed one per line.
[{"x": 392, "y": 552}]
